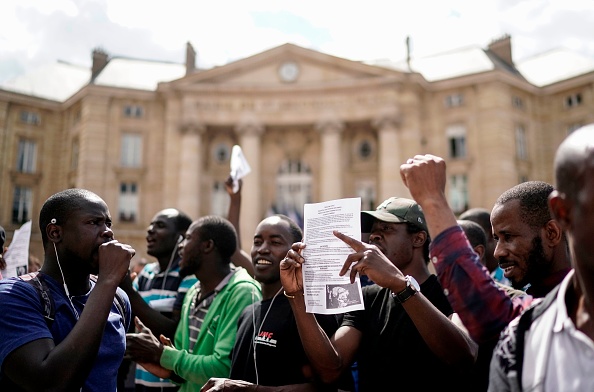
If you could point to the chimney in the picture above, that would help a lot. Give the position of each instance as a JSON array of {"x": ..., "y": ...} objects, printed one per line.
[
  {"x": 408, "y": 51},
  {"x": 190, "y": 58},
  {"x": 100, "y": 60},
  {"x": 501, "y": 47}
]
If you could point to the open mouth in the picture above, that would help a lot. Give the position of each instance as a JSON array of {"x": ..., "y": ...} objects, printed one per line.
[{"x": 263, "y": 262}]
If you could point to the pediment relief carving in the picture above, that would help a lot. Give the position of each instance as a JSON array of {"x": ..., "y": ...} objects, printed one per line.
[{"x": 284, "y": 67}]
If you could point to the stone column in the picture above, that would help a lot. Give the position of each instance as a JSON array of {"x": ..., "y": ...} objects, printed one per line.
[
  {"x": 390, "y": 159},
  {"x": 190, "y": 169},
  {"x": 250, "y": 133},
  {"x": 330, "y": 179}
]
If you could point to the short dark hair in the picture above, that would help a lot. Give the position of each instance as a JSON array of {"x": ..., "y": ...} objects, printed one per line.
[
  {"x": 474, "y": 232},
  {"x": 533, "y": 197},
  {"x": 294, "y": 228},
  {"x": 482, "y": 216},
  {"x": 182, "y": 221},
  {"x": 221, "y": 232},
  {"x": 60, "y": 207}
]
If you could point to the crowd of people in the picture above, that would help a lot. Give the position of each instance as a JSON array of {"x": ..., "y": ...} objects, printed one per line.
[{"x": 509, "y": 308}]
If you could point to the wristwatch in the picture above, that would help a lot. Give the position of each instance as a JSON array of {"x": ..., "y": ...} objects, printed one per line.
[{"x": 412, "y": 287}]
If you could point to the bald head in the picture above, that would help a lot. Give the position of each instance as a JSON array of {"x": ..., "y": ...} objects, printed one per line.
[{"x": 574, "y": 157}]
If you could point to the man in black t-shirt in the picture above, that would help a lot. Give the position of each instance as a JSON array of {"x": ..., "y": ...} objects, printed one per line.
[
  {"x": 403, "y": 338},
  {"x": 268, "y": 352}
]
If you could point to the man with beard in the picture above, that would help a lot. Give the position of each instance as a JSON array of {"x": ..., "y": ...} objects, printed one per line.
[
  {"x": 531, "y": 247},
  {"x": 403, "y": 338},
  {"x": 268, "y": 326},
  {"x": 83, "y": 346},
  {"x": 206, "y": 332},
  {"x": 551, "y": 346}
]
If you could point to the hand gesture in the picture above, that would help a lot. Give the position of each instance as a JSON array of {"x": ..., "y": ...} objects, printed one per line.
[
  {"x": 290, "y": 269},
  {"x": 229, "y": 186},
  {"x": 425, "y": 177},
  {"x": 224, "y": 384},
  {"x": 143, "y": 347},
  {"x": 369, "y": 260},
  {"x": 114, "y": 260}
]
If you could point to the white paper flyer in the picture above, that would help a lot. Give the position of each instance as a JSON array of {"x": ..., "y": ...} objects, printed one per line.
[
  {"x": 17, "y": 255},
  {"x": 325, "y": 291}
]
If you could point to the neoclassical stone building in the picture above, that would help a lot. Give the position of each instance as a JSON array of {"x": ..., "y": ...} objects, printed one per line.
[{"x": 146, "y": 135}]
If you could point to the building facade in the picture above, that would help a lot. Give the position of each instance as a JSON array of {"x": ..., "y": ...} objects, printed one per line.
[{"x": 313, "y": 127}]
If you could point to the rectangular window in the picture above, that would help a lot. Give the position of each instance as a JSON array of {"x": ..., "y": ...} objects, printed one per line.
[
  {"x": 219, "y": 199},
  {"x": 26, "y": 156},
  {"x": 133, "y": 111},
  {"x": 573, "y": 100},
  {"x": 454, "y": 100},
  {"x": 521, "y": 147},
  {"x": 517, "y": 102},
  {"x": 456, "y": 135},
  {"x": 131, "y": 150},
  {"x": 74, "y": 155},
  {"x": 128, "y": 206},
  {"x": 366, "y": 191},
  {"x": 458, "y": 193},
  {"x": 30, "y": 117},
  {"x": 21, "y": 205}
]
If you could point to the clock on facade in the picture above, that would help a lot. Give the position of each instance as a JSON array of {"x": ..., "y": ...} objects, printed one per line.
[{"x": 288, "y": 71}]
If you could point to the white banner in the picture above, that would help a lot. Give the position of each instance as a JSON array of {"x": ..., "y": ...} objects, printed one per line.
[{"x": 17, "y": 255}]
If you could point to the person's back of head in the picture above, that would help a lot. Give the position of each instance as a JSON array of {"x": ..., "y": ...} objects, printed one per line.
[
  {"x": 474, "y": 232},
  {"x": 573, "y": 201},
  {"x": 60, "y": 206},
  {"x": 482, "y": 216},
  {"x": 221, "y": 232}
]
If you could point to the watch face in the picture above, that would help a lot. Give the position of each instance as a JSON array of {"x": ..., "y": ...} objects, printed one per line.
[
  {"x": 414, "y": 283},
  {"x": 288, "y": 71}
]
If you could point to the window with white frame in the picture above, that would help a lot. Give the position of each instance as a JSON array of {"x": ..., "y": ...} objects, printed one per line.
[
  {"x": 131, "y": 154},
  {"x": 366, "y": 191},
  {"x": 219, "y": 199},
  {"x": 128, "y": 202},
  {"x": 133, "y": 111},
  {"x": 26, "y": 156},
  {"x": 573, "y": 100},
  {"x": 521, "y": 143},
  {"x": 458, "y": 195},
  {"x": 293, "y": 189},
  {"x": 456, "y": 135},
  {"x": 454, "y": 100},
  {"x": 21, "y": 204},
  {"x": 30, "y": 117},
  {"x": 74, "y": 154}
]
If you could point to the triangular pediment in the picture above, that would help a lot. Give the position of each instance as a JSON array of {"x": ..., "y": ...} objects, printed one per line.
[{"x": 282, "y": 67}]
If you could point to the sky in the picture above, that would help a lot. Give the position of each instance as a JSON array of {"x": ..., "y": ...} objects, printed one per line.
[{"x": 37, "y": 32}]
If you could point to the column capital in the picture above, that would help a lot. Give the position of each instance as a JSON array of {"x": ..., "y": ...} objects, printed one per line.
[
  {"x": 249, "y": 124},
  {"x": 329, "y": 123},
  {"x": 192, "y": 128},
  {"x": 388, "y": 118}
]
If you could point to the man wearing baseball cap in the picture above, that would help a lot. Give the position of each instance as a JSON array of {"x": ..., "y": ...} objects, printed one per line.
[{"x": 404, "y": 329}]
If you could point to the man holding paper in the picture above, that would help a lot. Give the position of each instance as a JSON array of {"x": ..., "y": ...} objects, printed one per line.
[{"x": 404, "y": 332}]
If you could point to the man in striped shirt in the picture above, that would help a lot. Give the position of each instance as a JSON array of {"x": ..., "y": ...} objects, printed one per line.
[{"x": 160, "y": 287}]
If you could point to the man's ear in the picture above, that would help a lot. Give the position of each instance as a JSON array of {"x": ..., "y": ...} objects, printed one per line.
[
  {"x": 558, "y": 206},
  {"x": 53, "y": 232},
  {"x": 208, "y": 246},
  {"x": 419, "y": 239},
  {"x": 480, "y": 250}
]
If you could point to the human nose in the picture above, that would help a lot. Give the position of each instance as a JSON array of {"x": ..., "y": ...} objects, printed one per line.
[
  {"x": 500, "y": 250},
  {"x": 374, "y": 237},
  {"x": 150, "y": 229},
  {"x": 108, "y": 232}
]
